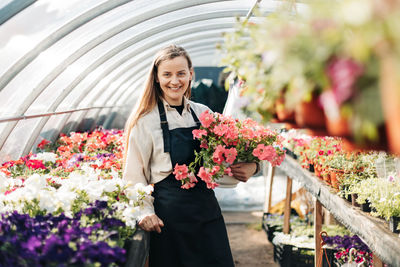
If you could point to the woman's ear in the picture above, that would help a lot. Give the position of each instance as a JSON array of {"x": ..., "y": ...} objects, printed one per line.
[{"x": 191, "y": 73}]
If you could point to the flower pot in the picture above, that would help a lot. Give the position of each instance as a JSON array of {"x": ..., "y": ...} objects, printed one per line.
[
  {"x": 366, "y": 207},
  {"x": 336, "y": 176},
  {"x": 283, "y": 114},
  {"x": 310, "y": 115},
  {"x": 334, "y": 180},
  {"x": 311, "y": 167},
  {"x": 327, "y": 178},
  {"x": 291, "y": 153},
  {"x": 337, "y": 127},
  {"x": 317, "y": 170},
  {"x": 394, "y": 223},
  {"x": 227, "y": 181}
]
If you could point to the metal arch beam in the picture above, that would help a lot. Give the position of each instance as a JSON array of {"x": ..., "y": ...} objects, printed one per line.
[
  {"x": 80, "y": 52},
  {"x": 137, "y": 73},
  {"x": 13, "y": 8},
  {"x": 110, "y": 118},
  {"x": 10, "y": 126},
  {"x": 130, "y": 80},
  {"x": 127, "y": 99},
  {"x": 143, "y": 67},
  {"x": 146, "y": 54},
  {"x": 56, "y": 36},
  {"x": 40, "y": 125},
  {"x": 133, "y": 78},
  {"x": 201, "y": 17}
]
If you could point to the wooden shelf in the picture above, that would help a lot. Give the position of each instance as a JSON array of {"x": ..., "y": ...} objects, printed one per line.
[{"x": 373, "y": 231}]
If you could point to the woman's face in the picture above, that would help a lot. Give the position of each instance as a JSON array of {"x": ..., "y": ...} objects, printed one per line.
[{"x": 174, "y": 77}]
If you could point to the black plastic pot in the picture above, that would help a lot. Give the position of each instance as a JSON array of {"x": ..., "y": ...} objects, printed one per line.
[{"x": 394, "y": 223}]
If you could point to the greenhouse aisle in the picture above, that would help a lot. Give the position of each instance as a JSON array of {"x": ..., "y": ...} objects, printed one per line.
[{"x": 249, "y": 243}]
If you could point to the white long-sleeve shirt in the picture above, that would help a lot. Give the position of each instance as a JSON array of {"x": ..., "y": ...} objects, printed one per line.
[{"x": 146, "y": 161}]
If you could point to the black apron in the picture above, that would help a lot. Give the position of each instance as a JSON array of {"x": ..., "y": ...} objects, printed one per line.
[{"x": 194, "y": 233}]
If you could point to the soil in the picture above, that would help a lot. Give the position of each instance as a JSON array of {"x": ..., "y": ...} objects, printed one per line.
[{"x": 249, "y": 244}]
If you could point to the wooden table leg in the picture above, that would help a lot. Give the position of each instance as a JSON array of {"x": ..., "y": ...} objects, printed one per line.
[
  {"x": 268, "y": 185},
  {"x": 317, "y": 230},
  {"x": 288, "y": 200}
]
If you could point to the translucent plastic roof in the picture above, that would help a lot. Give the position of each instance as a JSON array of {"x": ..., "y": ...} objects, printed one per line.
[{"x": 65, "y": 65}]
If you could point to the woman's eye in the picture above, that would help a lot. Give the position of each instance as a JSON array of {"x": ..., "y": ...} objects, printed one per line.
[{"x": 167, "y": 75}]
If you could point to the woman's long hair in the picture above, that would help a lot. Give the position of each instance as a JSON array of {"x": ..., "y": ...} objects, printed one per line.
[{"x": 152, "y": 91}]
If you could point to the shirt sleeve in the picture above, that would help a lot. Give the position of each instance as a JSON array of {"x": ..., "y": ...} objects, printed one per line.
[{"x": 137, "y": 165}]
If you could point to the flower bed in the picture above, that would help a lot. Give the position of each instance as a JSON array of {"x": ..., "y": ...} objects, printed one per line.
[{"x": 68, "y": 198}]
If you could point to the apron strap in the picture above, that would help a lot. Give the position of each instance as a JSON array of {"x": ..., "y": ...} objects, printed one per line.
[
  {"x": 195, "y": 117},
  {"x": 164, "y": 127}
]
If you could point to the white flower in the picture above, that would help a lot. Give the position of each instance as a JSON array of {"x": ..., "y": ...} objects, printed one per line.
[
  {"x": 35, "y": 182},
  {"x": 146, "y": 189},
  {"x": 47, "y": 200},
  {"x": 46, "y": 156}
]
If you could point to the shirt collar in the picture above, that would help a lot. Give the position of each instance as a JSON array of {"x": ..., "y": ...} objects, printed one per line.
[{"x": 186, "y": 104}]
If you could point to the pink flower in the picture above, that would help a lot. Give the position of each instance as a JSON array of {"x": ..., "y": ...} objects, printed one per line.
[
  {"x": 192, "y": 178},
  {"x": 321, "y": 152},
  {"x": 230, "y": 155},
  {"x": 277, "y": 160},
  {"x": 204, "y": 144},
  {"x": 206, "y": 119},
  {"x": 264, "y": 152},
  {"x": 188, "y": 185},
  {"x": 221, "y": 129},
  {"x": 218, "y": 155},
  {"x": 180, "y": 171},
  {"x": 215, "y": 169},
  {"x": 212, "y": 185},
  {"x": 247, "y": 133},
  {"x": 228, "y": 171},
  {"x": 343, "y": 73},
  {"x": 204, "y": 175},
  {"x": 198, "y": 133}
]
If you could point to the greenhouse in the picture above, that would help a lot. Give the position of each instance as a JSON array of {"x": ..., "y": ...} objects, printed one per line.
[{"x": 200, "y": 133}]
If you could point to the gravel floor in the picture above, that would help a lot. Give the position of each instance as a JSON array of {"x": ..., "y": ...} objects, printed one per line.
[{"x": 249, "y": 244}]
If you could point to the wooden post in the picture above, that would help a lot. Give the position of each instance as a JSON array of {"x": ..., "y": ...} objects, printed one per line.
[
  {"x": 377, "y": 261},
  {"x": 288, "y": 200},
  {"x": 268, "y": 185},
  {"x": 317, "y": 230}
]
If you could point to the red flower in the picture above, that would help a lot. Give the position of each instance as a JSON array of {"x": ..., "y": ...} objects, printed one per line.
[{"x": 42, "y": 144}]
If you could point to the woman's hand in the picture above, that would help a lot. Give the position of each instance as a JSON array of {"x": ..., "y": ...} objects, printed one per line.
[
  {"x": 151, "y": 223},
  {"x": 243, "y": 170}
]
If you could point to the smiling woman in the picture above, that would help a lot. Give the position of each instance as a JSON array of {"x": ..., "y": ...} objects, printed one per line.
[
  {"x": 186, "y": 225},
  {"x": 174, "y": 77}
]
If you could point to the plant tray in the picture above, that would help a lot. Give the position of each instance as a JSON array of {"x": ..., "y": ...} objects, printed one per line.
[{"x": 291, "y": 256}]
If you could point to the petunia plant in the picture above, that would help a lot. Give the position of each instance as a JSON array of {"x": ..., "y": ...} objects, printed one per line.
[{"x": 225, "y": 141}]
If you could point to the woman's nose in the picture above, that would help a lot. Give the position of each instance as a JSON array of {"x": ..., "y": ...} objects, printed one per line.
[{"x": 174, "y": 79}]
